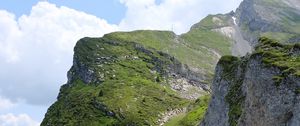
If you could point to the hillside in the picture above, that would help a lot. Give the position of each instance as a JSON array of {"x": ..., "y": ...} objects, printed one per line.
[{"x": 118, "y": 83}]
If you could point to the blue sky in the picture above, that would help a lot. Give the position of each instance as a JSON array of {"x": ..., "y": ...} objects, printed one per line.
[
  {"x": 37, "y": 40},
  {"x": 111, "y": 10}
]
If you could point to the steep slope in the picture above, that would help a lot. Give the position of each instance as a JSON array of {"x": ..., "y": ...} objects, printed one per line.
[
  {"x": 261, "y": 89},
  {"x": 220, "y": 33},
  {"x": 278, "y": 19},
  {"x": 123, "y": 83}
]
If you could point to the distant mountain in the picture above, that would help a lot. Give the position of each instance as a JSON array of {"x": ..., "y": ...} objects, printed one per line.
[
  {"x": 278, "y": 19},
  {"x": 160, "y": 78}
]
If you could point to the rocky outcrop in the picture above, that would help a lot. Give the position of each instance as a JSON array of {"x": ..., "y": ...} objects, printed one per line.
[{"x": 261, "y": 89}]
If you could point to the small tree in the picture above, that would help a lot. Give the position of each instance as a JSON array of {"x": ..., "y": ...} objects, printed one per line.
[
  {"x": 158, "y": 79},
  {"x": 100, "y": 93}
]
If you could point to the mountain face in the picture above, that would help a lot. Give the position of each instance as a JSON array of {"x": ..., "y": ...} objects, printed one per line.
[
  {"x": 160, "y": 78},
  {"x": 261, "y": 89},
  {"x": 278, "y": 19}
]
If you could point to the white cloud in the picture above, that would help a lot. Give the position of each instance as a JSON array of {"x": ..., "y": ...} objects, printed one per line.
[
  {"x": 8, "y": 34},
  {"x": 6, "y": 104},
  {"x": 176, "y": 15},
  {"x": 36, "y": 50},
  {"x": 17, "y": 120}
]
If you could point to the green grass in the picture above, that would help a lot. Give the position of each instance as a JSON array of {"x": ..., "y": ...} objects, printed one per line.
[
  {"x": 186, "y": 50},
  {"x": 277, "y": 80},
  {"x": 201, "y": 34},
  {"x": 280, "y": 36},
  {"x": 210, "y": 39},
  {"x": 192, "y": 48},
  {"x": 155, "y": 39},
  {"x": 212, "y": 22},
  {"x": 175, "y": 121},
  {"x": 75, "y": 108},
  {"x": 279, "y": 55},
  {"x": 195, "y": 114}
]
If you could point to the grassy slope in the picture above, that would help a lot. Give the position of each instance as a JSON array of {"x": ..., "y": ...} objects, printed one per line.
[
  {"x": 192, "y": 48},
  {"x": 194, "y": 116},
  {"x": 201, "y": 34},
  {"x": 130, "y": 90},
  {"x": 278, "y": 55},
  {"x": 168, "y": 42}
]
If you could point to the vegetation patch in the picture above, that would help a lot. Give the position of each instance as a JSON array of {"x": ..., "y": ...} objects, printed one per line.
[
  {"x": 277, "y": 80},
  {"x": 229, "y": 65},
  {"x": 297, "y": 91},
  {"x": 234, "y": 97},
  {"x": 284, "y": 57},
  {"x": 195, "y": 114}
]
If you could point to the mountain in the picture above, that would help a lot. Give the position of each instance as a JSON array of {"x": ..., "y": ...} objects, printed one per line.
[
  {"x": 115, "y": 82},
  {"x": 261, "y": 89},
  {"x": 278, "y": 19},
  {"x": 159, "y": 78}
]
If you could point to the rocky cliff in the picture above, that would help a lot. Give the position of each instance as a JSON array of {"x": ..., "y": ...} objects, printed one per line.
[{"x": 261, "y": 89}]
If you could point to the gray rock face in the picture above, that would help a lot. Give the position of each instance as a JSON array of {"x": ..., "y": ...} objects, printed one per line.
[
  {"x": 295, "y": 39},
  {"x": 240, "y": 46},
  {"x": 82, "y": 71},
  {"x": 217, "y": 113},
  {"x": 265, "y": 102},
  {"x": 293, "y": 3},
  {"x": 256, "y": 17}
]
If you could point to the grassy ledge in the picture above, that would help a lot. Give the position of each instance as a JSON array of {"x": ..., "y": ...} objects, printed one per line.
[{"x": 285, "y": 57}]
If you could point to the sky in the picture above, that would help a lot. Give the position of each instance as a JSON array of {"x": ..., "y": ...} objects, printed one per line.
[{"x": 37, "y": 39}]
